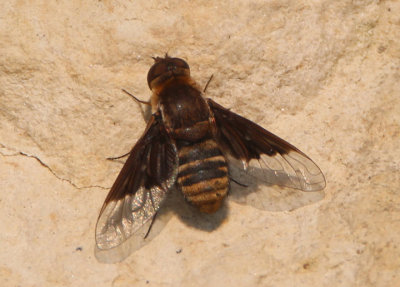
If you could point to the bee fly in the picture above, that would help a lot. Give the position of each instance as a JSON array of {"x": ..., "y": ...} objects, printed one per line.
[{"x": 190, "y": 141}]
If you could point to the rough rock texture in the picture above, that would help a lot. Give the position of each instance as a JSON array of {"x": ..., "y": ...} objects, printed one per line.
[{"x": 322, "y": 74}]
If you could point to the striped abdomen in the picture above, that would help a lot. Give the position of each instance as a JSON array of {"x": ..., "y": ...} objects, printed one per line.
[{"x": 203, "y": 175}]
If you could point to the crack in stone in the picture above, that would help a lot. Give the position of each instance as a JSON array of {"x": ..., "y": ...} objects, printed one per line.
[{"x": 49, "y": 168}]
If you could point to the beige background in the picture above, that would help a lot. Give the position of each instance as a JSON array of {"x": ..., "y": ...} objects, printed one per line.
[{"x": 322, "y": 74}]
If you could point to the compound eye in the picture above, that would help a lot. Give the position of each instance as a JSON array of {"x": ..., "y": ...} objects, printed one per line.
[
  {"x": 157, "y": 70},
  {"x": 178, "y": 63},
  {"x": 163, "y": 67}
]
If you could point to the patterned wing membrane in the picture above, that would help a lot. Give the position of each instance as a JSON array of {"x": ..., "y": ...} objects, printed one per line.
[
  {"x": 292, "y": 170},
  {"x": 264, "y": 155},
  {"x": 140, "y": 188}
]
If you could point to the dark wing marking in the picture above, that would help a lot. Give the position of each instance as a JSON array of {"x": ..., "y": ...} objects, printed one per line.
[
  {"x": 140, "y": 188},
  {"x": 278, "y": 161}
]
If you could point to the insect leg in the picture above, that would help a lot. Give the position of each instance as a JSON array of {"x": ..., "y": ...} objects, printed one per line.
[
  {"x": 151, "y": 225},
  {"x": 208, "y": 82},
  {"x": 238, "y": 183},
  {"x": 154, "y": 217},
  {"x": 145, "y": 115},
  {"x": 118, "y": 157},
  {"x": 136, "y": 99}
]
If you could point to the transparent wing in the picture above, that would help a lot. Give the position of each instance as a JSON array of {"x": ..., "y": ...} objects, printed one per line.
[
  {"x": 271, "y": 199},
  {"x": 264, "y": 155},
  {"x": 291, "y": 169},
  {"x": 123, "y": 217},
  {"x": 140, "y": 188},
  {"x": 138, "y": 238}
]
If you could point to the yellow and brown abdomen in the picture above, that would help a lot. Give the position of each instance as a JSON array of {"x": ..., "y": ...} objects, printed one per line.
[{"x": 203, "y": 174}]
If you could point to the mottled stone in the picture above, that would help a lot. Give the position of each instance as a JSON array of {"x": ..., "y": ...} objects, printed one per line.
[{"x": 323, "y": 75}]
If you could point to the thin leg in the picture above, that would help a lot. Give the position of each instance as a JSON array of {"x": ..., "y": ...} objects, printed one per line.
[
  {"x": 238, "y": 183},
  {"x": 118, "y": 157},
  {"x": 140, "y": 102},
  {"x": 136, "y": 99},
  {"x": 148, "y": 103},
  {"x": 208, "y": 82},
  {"x": 151, "y": 225}
]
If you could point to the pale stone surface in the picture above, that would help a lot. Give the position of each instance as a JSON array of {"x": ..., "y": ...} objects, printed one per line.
[{"x": 322, "y": 74}]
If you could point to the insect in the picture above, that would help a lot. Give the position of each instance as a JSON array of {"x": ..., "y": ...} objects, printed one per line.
[{"x": 190, "y": 142}]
